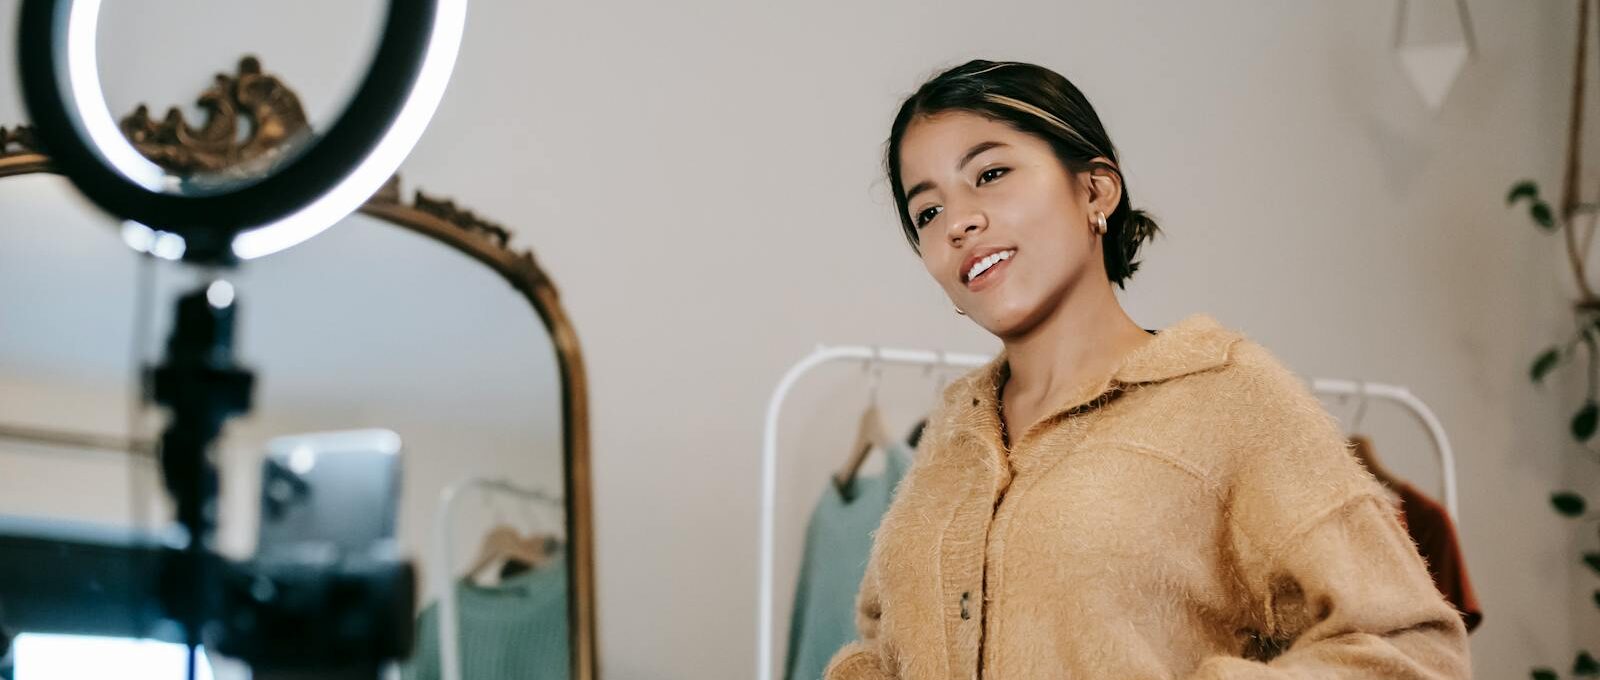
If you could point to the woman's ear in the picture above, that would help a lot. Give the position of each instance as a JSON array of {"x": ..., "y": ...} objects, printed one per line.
[{"x": 1104, "y": 185}]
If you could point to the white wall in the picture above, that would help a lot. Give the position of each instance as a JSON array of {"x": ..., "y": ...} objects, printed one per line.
[{"x": 703, "y": 184}]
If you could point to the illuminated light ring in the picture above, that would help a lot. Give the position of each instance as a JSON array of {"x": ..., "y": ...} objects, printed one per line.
[{"x": 339, "y": 169}]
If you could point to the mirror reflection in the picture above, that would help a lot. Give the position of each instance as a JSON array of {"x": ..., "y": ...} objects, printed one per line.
[{"x": 369, "y": 327}]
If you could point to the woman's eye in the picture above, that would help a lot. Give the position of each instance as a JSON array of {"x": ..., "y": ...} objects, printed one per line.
[
  {"x": 927, "y": 215},
  {"x": 991, "y": 175}
]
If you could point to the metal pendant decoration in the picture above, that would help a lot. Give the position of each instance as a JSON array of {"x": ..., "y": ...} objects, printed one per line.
[{"x": 1433, "y": 65}]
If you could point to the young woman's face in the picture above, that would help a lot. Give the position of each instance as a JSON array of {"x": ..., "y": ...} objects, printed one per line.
[{"x": 1004, "y": 228}]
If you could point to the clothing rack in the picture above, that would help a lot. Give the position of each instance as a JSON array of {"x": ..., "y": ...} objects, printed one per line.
[
  {"x": 883, "y": 356},
  {"x": 445, "y": 567},
  {"x": 1404, "y": 397},
  {"x": 769, "y": 458}
]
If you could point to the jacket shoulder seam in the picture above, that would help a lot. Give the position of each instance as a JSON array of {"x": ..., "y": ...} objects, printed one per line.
[
  {"x": 1318, "y": 518},
  {"x": 1173, "y": 461}
]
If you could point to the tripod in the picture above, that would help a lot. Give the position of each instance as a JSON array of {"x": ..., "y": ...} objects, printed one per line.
[
  {"x": 292, "y": 617},
  {"x": 202, "y": 387}
]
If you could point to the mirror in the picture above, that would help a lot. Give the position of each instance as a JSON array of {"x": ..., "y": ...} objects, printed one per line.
[{"x": 412, "y": 315}]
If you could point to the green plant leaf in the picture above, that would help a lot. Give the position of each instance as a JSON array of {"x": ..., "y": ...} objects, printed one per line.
[
  {"x": 1525, "y": 189},
  {"x": 1585, "y": 666},
  {"x": 1593, "y": 560},
  {"x": 1568, "y": 504},
  {"x": 1545, "y": 674},
  {"x": 1585, "y": 420},
  {"x": 1542, "y": 216},
  {"x": 1545, "y": 363}
]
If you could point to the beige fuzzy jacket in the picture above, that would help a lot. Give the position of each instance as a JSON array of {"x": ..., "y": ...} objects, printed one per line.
[{"x": 1195, "y": 514}]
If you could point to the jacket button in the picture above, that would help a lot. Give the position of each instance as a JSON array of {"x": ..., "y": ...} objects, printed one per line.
[{"x": 965, "y": 612}]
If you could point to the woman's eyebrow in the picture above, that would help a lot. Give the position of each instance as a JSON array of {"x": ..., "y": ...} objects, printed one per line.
[
  {"x": 966, "y": 158},
  {"x": 976, "y": 149}
]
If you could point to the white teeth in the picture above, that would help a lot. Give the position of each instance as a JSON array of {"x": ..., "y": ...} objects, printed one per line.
[{"x": 983, "y": 265}]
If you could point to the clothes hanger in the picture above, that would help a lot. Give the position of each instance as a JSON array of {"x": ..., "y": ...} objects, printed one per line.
[
  {"x": 507, "y": 546},
  {"x": 940, "y": 381},
  {"x": 870, "y": 433},
  {"x": 510, "y": 548},
  {"x": 546, "y": 545},
  {"x": 552, "y": 540},
  {"x": 1361, "y": 446}
]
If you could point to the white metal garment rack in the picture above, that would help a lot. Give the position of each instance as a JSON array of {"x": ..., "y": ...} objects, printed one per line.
[
  {"x": 769, "y": 459},
  {"x": 445, "y": 568},
  {"x": 1404, "y": 397},
  {"x": 766, "y": 624}
]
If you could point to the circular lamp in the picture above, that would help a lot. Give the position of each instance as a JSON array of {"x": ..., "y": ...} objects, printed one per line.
[{"x": 226, "y": 217}]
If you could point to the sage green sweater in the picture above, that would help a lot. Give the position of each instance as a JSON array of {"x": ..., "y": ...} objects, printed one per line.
[{"x": 517, "y": 629}]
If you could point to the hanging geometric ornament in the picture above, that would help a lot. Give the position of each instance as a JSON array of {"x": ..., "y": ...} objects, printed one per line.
[{"x": 1433, "y": 40}]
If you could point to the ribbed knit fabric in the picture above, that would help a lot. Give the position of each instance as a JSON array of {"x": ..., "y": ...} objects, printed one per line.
[
  {"x": 512, "y": 631},
  {"x": 838, "y": 541}
]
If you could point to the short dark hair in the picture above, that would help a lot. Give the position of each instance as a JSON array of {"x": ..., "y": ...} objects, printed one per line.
[{"x": 1036, "y": 101}]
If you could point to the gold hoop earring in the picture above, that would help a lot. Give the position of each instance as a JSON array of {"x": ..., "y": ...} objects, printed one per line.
[
  {"x": 1100, "y": 226},
  {"x": 959, "y": 311}
]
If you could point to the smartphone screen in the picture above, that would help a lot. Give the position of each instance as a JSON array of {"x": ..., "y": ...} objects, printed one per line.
[{"x": 329, "y": 489}]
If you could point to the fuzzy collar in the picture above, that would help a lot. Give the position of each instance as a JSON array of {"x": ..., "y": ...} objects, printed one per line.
[{"x": 1198, "y": 343}]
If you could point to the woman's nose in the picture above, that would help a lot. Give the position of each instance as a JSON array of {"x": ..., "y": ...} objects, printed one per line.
[{"x": 966, "y": 225}]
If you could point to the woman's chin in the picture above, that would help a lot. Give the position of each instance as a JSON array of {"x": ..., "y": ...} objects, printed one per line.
[{"x": 1007, "y": 322}]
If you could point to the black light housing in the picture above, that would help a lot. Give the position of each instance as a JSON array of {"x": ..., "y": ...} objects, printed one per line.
[{"x": 230, "y": 219}]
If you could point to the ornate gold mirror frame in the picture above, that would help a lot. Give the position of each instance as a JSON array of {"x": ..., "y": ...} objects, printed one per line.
[{"x": 273, "y": 114}]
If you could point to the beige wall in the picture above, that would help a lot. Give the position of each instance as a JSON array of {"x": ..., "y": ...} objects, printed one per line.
[{"x": 703, "y": 184}]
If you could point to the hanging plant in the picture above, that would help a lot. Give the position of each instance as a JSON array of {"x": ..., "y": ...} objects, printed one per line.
[{"x": 1575, "y": 220}]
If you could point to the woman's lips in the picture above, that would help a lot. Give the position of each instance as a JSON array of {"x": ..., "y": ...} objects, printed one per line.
[{"x": 989, "y": 275}]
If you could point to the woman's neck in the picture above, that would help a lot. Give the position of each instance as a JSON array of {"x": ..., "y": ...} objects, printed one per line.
[{"x": 1085, "y": 339}]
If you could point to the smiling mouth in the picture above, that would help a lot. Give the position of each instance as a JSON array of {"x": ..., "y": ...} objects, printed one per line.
[{"x": 986, "y": 265}]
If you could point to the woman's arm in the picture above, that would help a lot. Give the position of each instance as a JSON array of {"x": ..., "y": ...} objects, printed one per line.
[
  {"x": 1349, "y": 598},
  {"x": 1336, "y": 587}
]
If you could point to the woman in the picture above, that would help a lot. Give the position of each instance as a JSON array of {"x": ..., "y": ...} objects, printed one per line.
[{"x": 1103, "y": 501}]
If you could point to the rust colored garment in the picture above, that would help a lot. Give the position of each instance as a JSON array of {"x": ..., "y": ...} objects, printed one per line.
[{"x": 1435, "y": 535}]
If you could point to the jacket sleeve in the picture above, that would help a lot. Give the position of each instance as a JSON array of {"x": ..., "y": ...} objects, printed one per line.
[
  {"x": 1336, "y": 587},
  {"x": 863, "y": 659}
]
